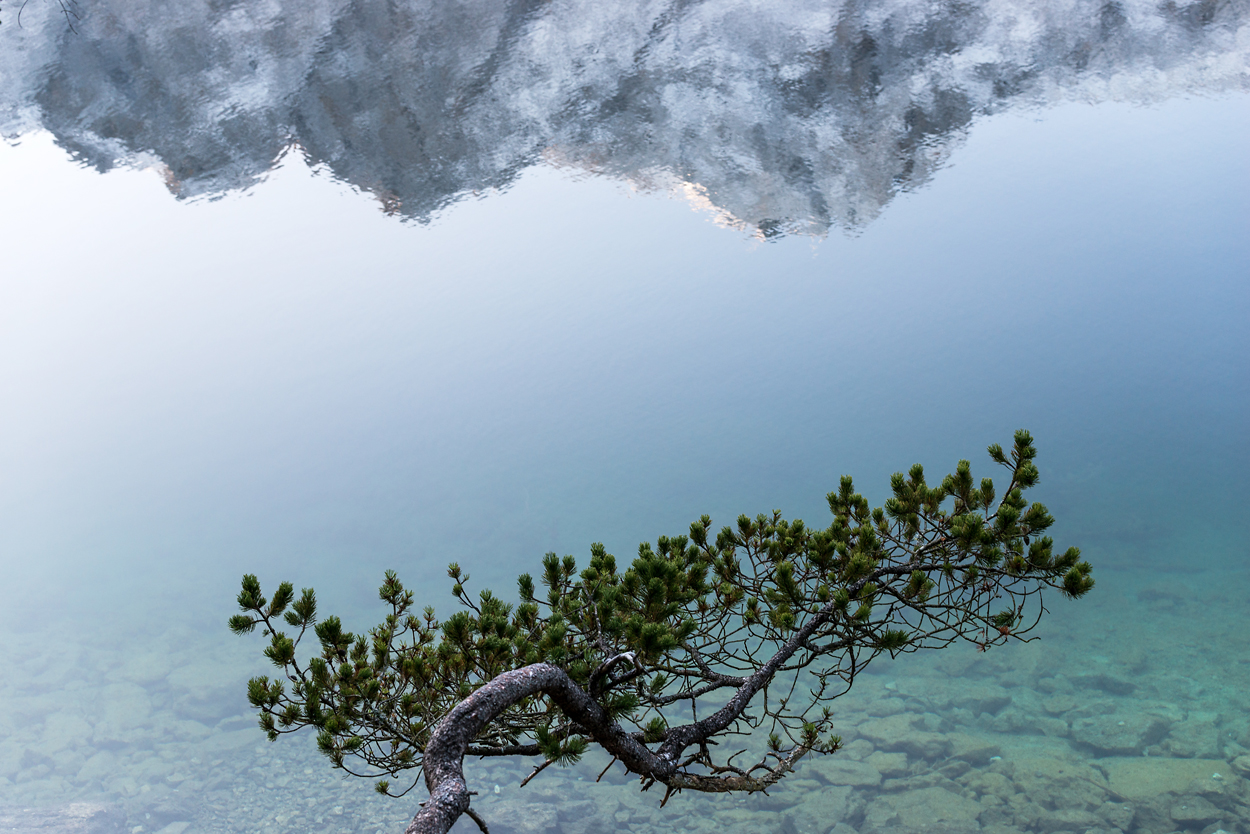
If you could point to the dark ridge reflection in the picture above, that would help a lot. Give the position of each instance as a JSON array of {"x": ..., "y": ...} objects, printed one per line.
[{"x": 782, "y": 118}]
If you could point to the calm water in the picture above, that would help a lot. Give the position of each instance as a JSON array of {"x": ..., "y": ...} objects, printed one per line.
[{"x": 314, "y": 290}]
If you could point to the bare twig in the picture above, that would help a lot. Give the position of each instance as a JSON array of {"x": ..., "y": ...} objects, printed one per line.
[
  {"x": 604, "y": 772},
  {"x": 481, "y": 823},
  {"x": 546, "y": 764}
]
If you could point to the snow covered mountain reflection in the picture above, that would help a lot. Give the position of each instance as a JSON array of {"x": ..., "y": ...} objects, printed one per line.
[{"x": 787, "y": 117}]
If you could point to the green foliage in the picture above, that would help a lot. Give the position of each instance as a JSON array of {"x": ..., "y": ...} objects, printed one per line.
[{"x": 691, "y": 615}]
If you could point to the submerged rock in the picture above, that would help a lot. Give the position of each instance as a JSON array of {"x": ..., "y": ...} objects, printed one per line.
[
  {"x": 1197, "y": 737},
  {"x": 1193, "y": 811},
  {"x": 76, "y": 818},
  {"x": 1110, "y": 684},
  {"x": 1119, "y": 734},
  {"x": 1138, "y": 777},
  {"x": 889, "y": 765},
  {"x": 1117, "y": 815},
  {"x": 1069, "y": 819},
  {"x": 821, "y": 811},
  {"x": 930, "y": 809},
  {"x": 838, "y": 772},
  {"x": 530, "y": 818},
  {"x": 984, "y": 698},
  {"x": 64, "y": 730},
  {"x": 898, "y": 733}
]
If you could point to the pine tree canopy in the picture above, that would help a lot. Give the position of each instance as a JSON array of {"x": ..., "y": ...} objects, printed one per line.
[{"x": 751, "y": 632}]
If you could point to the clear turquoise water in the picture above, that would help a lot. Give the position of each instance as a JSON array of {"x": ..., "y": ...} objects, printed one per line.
[{"x": 287, "y": 379}]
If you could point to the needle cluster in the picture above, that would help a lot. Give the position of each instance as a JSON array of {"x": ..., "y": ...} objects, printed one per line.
[{"x": 748, "y": 632}]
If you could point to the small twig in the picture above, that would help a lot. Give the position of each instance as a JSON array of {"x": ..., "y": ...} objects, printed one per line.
[
  {"x": 537, "y": 771},
  {"x": 481, "y": 823},
  {"x": 604, "y": 772},
  {"x": 729, "y": 764}
]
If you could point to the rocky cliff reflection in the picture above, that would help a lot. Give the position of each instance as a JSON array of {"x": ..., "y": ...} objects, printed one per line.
[{"x": 794, "y": 116}]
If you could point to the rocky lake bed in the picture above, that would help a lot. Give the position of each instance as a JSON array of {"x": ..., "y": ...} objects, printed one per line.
[{"x": 1131, "y": 715}]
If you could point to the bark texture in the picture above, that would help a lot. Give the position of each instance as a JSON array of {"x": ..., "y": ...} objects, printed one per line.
[{"x": 444, "y": 754}]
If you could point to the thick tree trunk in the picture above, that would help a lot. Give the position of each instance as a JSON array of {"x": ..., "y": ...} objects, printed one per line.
[{"x": 444, "y": 754}]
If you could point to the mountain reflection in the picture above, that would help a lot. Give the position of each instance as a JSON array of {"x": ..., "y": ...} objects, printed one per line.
[{"x": 783, "y": 117}]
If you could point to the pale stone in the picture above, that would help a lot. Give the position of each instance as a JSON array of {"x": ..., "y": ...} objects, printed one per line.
[
  {"x": 996, "y": 819},
  {"x": 982, "y": 698},
  {"x": 98, "y": 767},
  {"x": 229, "y": 742},
  {"x": 1107, "y": 683},
  {"x": 208, "y": 692},
  {"x": 1009, "y": 722},
  {"x": 175, "y": 828},
  {"x": 861, "y": 748},
  {"x": 1138, "y": 777},
  {"x": 898, "y": 733},
  {"x": 1117, "y": 814},
  {"x": 804, "y": 783},
  {"x": 62, "y": 730},
  {"x": 834, "y": 771},
  {"x": 124, "y": 785},
  {"x": 889, "y": 765},
  {"x": 820, "y": 811},
  {"x": 1198, "y": 738},
  {"x": 144, "y": 668},
  {"x": 193, "y": 731},
  {"x": 125, "y": 704},
  {"x": 1050, "y": 727},
  {"x": 959, "y": 663},
  {"x": 1059, "y": 704},
  {"x": 1195, "y": 809},
  {"x": 150, "y": 770},
  {"x": 954, "y": 769},
  {"x": 125, "y": 715},
  {"x": 918, "y": 809},
  {"x": 1217, "y": 784},
  {"x": 575, "y": 809},
  {"x": 1122, "y": 734},
  {"x": 1068, "y": 819},
  {"x": 1058, "y": 683},
  {"x": 11, "y": 755},
  {"x": 990, "y": 785},
  {"x": 935, "y": 693},
  {"x": 1076, "y": 782},
  {"x": 971, "y": 749},
  {"x": 69, "y": 762},
  {"x": 885, "y": 707},
  {"x": 45, "y": 790},
  {"x": 75, "y": 818},
  {"x": 108, "y": 733},
  {"x": 732, "y": 819}
]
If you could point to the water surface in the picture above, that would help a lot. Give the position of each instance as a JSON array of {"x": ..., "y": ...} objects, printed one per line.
[{"x": 369, "y": 286}]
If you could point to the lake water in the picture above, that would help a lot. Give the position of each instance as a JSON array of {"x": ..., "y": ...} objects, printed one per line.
[{"x": 318, "y": 289}]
